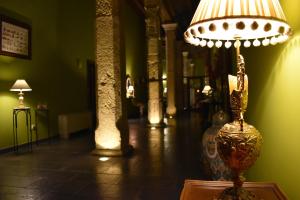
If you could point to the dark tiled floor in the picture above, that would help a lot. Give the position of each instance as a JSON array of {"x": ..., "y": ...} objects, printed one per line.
[{"x": 162, "y": 160}]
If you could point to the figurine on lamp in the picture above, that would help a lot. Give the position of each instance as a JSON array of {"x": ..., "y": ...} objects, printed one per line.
[{"x": 20, "y": 86}]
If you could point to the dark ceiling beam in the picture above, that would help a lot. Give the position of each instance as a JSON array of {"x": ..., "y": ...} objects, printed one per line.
[
  {"x": 193, "y": 5},
  {"x": 166, "y": 5},
  {"x": 189, "y": 5},
  {"x": 165, "y": 14},
  {"x": 138, "y": 5}
]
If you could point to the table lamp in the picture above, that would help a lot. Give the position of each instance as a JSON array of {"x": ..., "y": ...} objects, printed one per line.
[
  {"x": 238, "y": 22},
  {"x": 20, "y": 86}
]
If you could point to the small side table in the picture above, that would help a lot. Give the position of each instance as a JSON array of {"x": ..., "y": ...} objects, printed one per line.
[
  {"x": 27, "y": 112},
  {"x": 38, "y": 113},
  {"x": 210, "y": 190}
]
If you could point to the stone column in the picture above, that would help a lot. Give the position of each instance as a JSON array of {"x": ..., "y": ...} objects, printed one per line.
[
  {"x": 185, "y": 61},
  {"x": 191, "y": 69},
  {"x": 155, "y": 114},
  {"x": 191, "y": 72},
  {"x": 170, "y": 30},
  {"x": 111, "y": 135}
]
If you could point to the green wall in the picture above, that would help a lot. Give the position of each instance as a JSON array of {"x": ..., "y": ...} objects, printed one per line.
[
  {"x": 274, "y": 106},
  {"x": 135, "y": 49},
  {"x": 76, "y": 44},
  {"x": 62, "y": 41}
]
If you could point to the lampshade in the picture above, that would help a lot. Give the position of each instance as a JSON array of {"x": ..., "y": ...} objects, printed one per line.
[
  {"x": 20, "y": 85},
  {"x": 217, "y": 22}
]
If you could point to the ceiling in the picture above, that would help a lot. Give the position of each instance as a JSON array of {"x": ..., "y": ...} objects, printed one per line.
[{"x": 179, "y": 11}]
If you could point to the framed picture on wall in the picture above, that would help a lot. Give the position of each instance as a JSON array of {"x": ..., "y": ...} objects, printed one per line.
[{"x": 15, "y": 38}]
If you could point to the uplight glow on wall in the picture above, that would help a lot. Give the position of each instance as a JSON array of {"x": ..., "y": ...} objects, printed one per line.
[
  {"x": 154, "y": 118},
  {"x": 107, "y": 137},
  {"x": 155, "y": 115}
]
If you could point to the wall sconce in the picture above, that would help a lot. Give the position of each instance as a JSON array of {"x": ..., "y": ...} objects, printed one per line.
[
  {"x": 207, "y": 90},
  {"x": 129, "y": 88},
  {"x": 20, "y": 86},
  {"x": 165, "y": 90},
  {"x": 130, "y": 91},
  {"x": 229, "y": 23}
]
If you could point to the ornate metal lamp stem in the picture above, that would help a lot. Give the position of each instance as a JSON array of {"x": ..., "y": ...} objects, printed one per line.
[
  {"x": 238, "y": 142},
  {"x": 240, "y": 82}
]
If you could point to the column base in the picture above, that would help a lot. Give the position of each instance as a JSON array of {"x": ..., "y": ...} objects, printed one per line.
[
  {"x": 113, "y": 153},
  {"x": 158, "y": 125},
  {"x": 170, "y": 116},
  {"x": 171, "y": 121}
]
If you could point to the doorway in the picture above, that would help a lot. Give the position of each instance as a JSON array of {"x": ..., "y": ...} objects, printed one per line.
[{"x": 91, "y": 91}]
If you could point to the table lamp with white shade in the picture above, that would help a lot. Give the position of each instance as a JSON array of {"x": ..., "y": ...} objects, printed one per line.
[
  {"x": 235, "y": 23},
  {"x": 21, "y": 86}
]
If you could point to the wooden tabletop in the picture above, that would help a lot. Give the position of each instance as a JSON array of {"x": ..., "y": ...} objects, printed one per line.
[{"x": 210, "y": 190}]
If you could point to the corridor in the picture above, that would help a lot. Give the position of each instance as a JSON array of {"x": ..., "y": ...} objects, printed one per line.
[{"x": 61, "y": 170}]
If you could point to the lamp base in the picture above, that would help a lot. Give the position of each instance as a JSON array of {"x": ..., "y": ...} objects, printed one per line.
[
  {"x": 21, "y": 106},
  {"x": 237, "y": 193},
  {"x": 21, "y": 100}
]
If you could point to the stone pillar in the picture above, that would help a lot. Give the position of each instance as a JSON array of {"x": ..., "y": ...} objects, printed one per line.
[
  {"x": 170, "y": 30},
  {"x": 191, "y": 72},
  {"x": 191, "y": 69},
  {"x": 185, "y": 62},
  {"x": 111, "y": 135},
  {"x": 155, "y": 114}
]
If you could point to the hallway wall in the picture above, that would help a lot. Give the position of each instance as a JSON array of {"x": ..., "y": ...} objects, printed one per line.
[
  {"x": 135, "y": 49},
  {"x": 274, "y": 106},
  {"x": 135, "y": 56},
  {"x": 62, "y": 41}
]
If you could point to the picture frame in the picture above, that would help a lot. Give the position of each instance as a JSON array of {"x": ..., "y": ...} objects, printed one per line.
[{"x": 15, "y": 38}]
